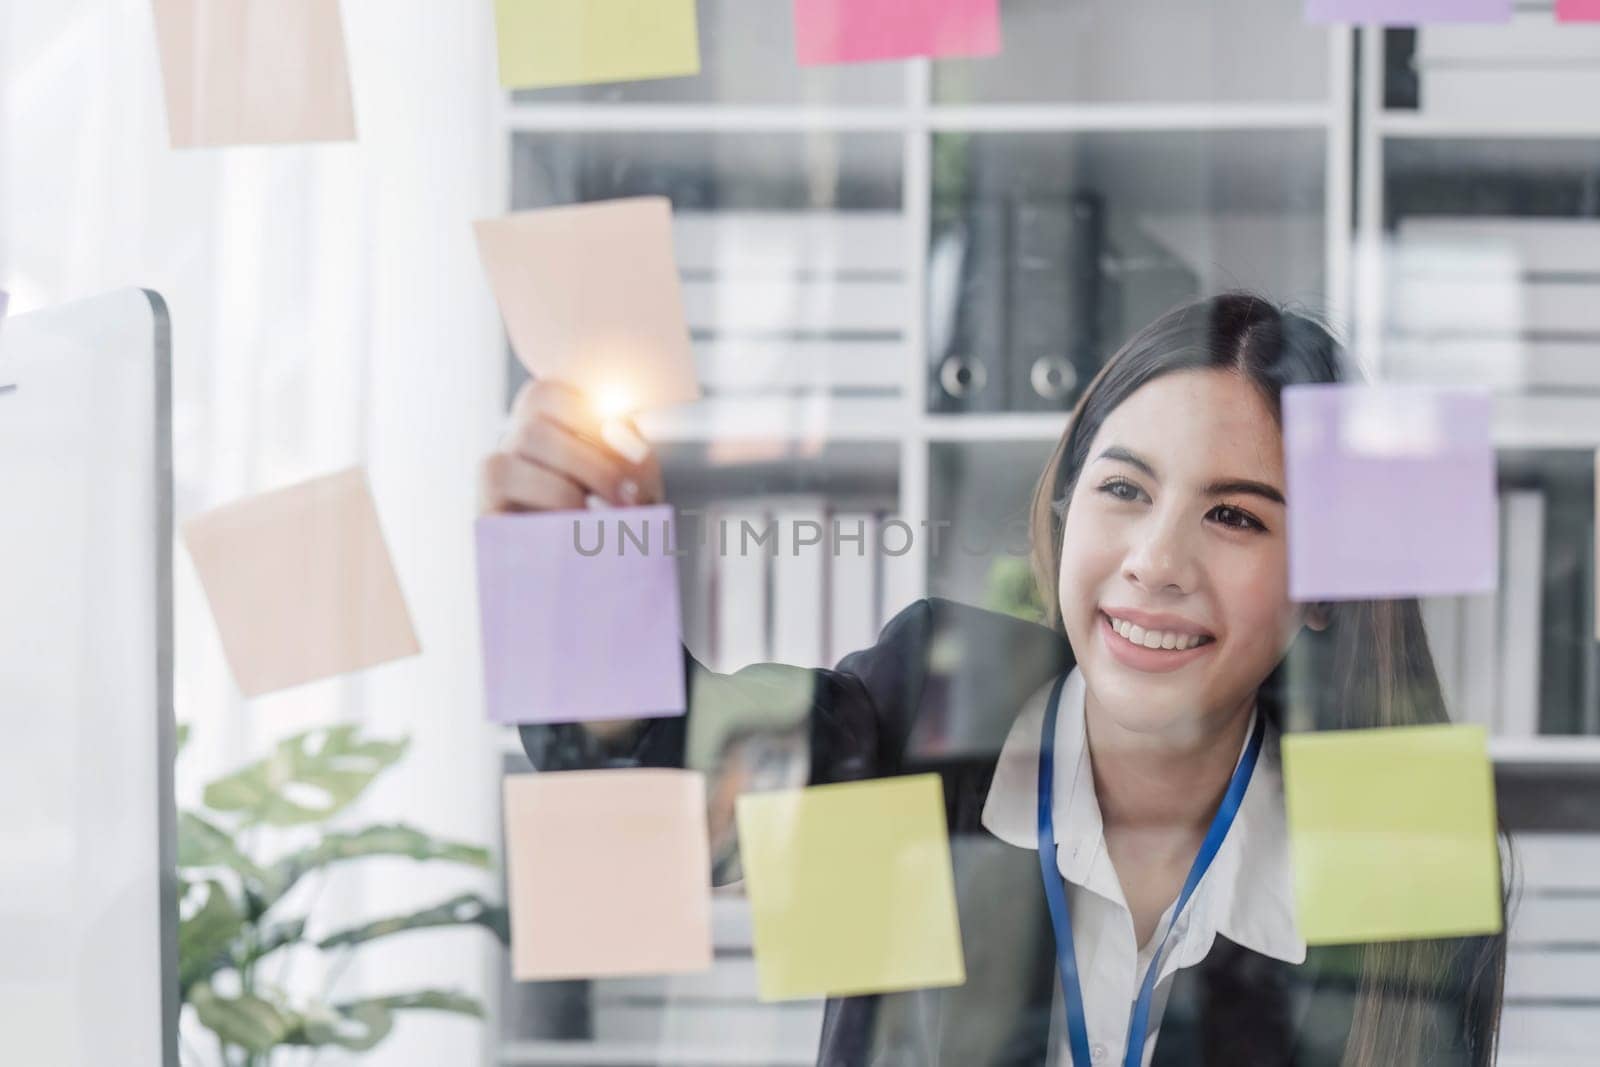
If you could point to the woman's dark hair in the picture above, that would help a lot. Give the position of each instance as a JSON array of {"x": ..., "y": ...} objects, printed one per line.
[{"x": 1369, "y": 667}]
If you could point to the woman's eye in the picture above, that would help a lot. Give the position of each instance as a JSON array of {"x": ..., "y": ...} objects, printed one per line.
[
  {"x": 1122, "y": 489},
  {"x": 1229, "y": 515}
]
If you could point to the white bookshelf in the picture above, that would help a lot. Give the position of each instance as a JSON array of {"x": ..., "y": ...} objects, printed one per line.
[{"x": 1353, "y": 139}]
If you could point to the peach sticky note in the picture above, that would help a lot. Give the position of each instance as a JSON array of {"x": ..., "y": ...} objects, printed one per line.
[
  {"x": 851, "y": 888},
  {"x": 590, "y": 295},
  {"x": 1392, "y": 833},
  {"x": 254, "y": 72},
  {"x": 857, "y": 31},
  {"x": 1578, "y": 10},
  {"x": 301, "y": 584},
  {"x": 580, "y": 42},
  {"x": 608, "y": 873}
]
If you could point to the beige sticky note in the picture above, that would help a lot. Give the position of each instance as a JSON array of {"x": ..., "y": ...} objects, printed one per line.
[
  {"x": 608, "y": 873},
  {"x": 301, "y": 583},
  {"x": 590, "y": 295},
  {"x": 851, "y": 889},
  {"x": 577, "y": 42},
  {"x": 240, "y": 72},
  {"x": 1392, "y": 833}
]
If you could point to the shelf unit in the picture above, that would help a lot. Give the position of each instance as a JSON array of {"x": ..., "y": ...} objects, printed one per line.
[{"x": 1354, "y": 130}]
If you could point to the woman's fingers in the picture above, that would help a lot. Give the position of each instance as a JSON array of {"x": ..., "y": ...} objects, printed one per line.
[{"x": 510, "y": 482}]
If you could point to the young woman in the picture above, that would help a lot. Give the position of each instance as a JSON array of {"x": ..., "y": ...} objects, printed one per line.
[{"x": 1159, "y": 928}]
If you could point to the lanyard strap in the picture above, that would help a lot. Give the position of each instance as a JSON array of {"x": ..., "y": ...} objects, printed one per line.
[{"x": 1055, "y": 892}]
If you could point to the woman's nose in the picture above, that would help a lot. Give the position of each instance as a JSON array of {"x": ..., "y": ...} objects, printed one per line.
[{"x": 1160, "y": 557}]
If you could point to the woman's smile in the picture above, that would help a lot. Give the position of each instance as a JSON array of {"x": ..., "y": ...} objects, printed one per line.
[{"x": 1139, "y": 656}]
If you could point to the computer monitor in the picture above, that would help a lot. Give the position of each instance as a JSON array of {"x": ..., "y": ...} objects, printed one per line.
[{"x": 88, "y": 910}]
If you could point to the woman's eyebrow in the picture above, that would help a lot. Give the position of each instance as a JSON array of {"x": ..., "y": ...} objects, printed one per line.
[{"x": 1221, "y": 487}]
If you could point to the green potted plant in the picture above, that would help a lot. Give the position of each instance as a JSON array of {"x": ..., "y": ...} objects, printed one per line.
[{"x": 240, "y": 912}]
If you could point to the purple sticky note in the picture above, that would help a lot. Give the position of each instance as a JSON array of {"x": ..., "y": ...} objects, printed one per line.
[
  {"x": 858, "y": 31},
  {"x": 1391, "y": 492},
  {"x": 580, "y": 615},
  {"x": 1408, "y": 12}
]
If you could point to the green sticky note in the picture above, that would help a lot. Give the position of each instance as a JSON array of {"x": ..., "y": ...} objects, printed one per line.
[
  {"x": 1392, "y": 833},
  {"x": 851, "y": 889},
  {"x": 582, "y": 42}
]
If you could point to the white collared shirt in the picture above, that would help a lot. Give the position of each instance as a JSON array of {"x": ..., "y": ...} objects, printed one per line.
[{"x": 1246, "y": 894}]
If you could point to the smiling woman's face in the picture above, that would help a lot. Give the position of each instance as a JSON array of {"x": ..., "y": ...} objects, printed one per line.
[{"x": 1176, "y": 530}]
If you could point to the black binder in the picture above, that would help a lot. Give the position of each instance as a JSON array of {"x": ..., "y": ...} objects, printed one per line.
[
  {"x": 970, "y": 374},
  {"x": 1056, "y": 300}
]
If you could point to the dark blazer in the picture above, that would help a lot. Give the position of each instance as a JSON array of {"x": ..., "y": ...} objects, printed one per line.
[{"x": 940, "y": 670}]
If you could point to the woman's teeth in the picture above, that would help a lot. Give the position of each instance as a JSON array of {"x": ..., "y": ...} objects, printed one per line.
[{"x": 1155, "y": 638}]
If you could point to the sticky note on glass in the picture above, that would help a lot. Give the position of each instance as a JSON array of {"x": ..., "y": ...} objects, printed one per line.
[
  {"x": 580, "y": 615},
  {"x": 850, "y": 888},
  {"x": 581, "y": 42},
  {"x": 301, "y": 583},
  {"x": 857, "y": 31},
  {"x": 1578, "y": 10},
  {"x": 1391, "y": 492},
  {"x": 1392, "y": 833},
  {"x": 1408, "y": 12},
  {"x": 608, "y": 873},
  {"x": 590, "y": 296},
  {"x": 240, "y": 72}
]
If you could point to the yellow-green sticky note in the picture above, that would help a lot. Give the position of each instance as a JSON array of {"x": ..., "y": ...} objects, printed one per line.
[
  {"x": 851, "y": 889},
  {"x": 582, "y": 42},
  {"x": 1392, "y": 833}
]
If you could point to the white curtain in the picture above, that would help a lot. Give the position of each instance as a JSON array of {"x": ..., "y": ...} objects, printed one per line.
[{"x": 328, "y": 310}]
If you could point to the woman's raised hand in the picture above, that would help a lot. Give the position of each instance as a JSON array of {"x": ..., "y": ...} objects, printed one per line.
[{"x": 557, "y": 453}]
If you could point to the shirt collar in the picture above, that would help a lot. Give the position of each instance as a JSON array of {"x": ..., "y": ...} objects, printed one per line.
[{"x": 1246, "y": 895}]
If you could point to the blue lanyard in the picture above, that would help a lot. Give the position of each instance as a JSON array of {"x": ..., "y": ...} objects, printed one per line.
[{"x": 1056, "y": 894}]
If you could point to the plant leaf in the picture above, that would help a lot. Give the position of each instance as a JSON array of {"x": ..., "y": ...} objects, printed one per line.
[
  {"x": 361, "y": 1024},
  {"x": 182, "y": 739},
  {"x": 393, "y": 840},
  {"x": 468, "y": 909},
  {"x": 248, "y": 1021},
  {"x": 309, "y": 777},
  {"x": 203, "y": 844},
  {"x": 274, "y": 936},
  {"x": 205, "y": 937}
]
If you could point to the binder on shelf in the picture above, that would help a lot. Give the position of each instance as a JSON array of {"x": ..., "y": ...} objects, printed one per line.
[
  {"x": 1441, "y": 619},
  {"x": 1055, "y": 299},
  {"x": 799, "y": 584},
  {"x": 740, "y": 577},
  {"x": 853, "y": 619},
  {"x": 1481, "y": 654},
  {"x": 1504, "y": 73},
  {"x": 1521, "y": 616},
  {"x": 969, "y": 374}
]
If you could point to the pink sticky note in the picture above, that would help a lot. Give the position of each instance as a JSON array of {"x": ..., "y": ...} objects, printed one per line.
[
  {"x": 1578, "y": 10},
  {"x": 608, "y": 873},
  {"x": 1391, "y": 492},
  {"x": 580, "y": 615},
  {"x": 1408, "y": 12},
  {"x": 301, "y": 583},
  {"x": 857, "y": 31},
  {"x": 254, "y": 71},
  {"x": 590, "y": 295}
]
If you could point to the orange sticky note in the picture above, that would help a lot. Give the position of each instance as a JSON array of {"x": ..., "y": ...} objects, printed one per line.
[
  {"x": 851, "y": 888},
  {"x": 608, "y": 873},
  {"x": 301, "y": 583},
  {"x": 590, "y": 295},
  {"x": 242, "y": 72}
]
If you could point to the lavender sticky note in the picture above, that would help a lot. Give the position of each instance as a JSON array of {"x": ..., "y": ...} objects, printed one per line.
[
  {"x": 1391, "y": 492},
  {"x": 1408, "y": 12},
  {"x": 580, "y": 615},
  {"x": 857, "y": 31}
]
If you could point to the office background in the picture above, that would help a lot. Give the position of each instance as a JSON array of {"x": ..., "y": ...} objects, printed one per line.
[{"x": 864, "y": 251}]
